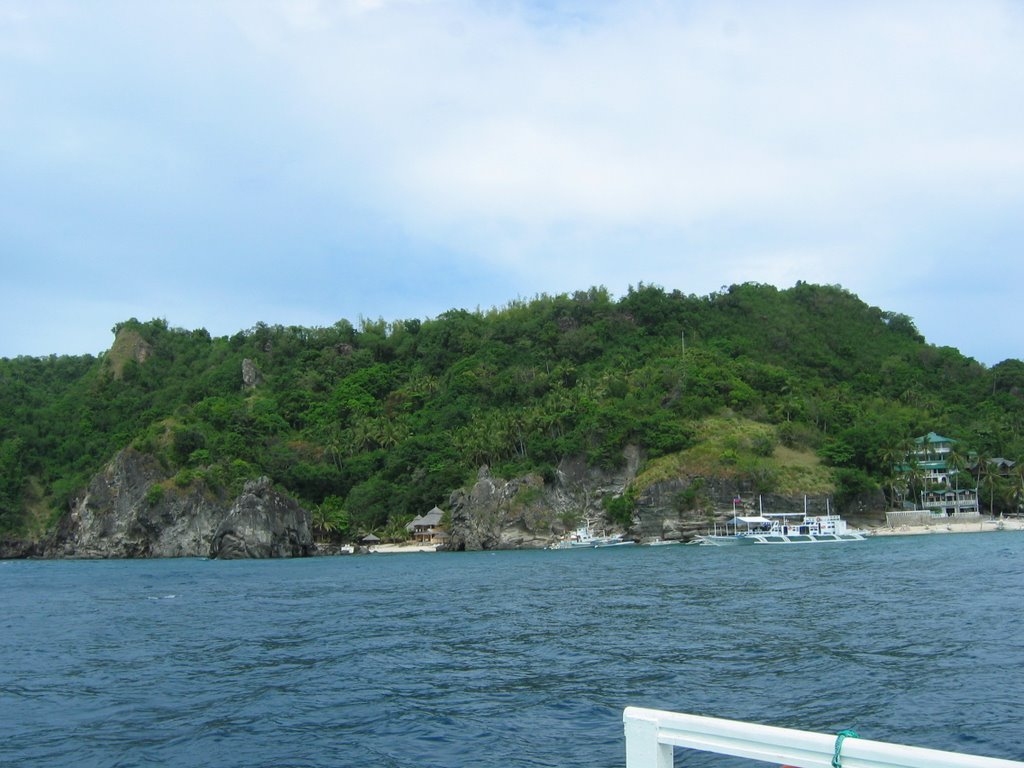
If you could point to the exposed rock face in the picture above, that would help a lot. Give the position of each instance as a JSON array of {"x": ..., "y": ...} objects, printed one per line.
[
  {"x": 493, "y": 515},
  {"x": 17, "y": 549},
  {"x": 128, "y": 345},
  {"x": 687, "y": 506},
  {"x": 263, "y": 523},
  {"x": 120, "y": 516},
  {"x": 526, "y": 513},
  {"x": 132, "y": 509},
  {"x": 251, "y": 376}
]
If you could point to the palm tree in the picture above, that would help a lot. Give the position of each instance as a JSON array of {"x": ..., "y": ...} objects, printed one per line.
[
  {"x": 989, "y": 478},
  {"x": 329, "y": 519},
  {"x": 395, "y": 530},
  {"x": 1015, "y": 495},
  {"x": 893, "y": 459},
  {"x": 915, "y": 478},
  {"x": 929, "y": 446},
  {"x": 956, "y": 461},
  {"x": 1018, "y": 486},
  {"x": 322, "y": 521}
]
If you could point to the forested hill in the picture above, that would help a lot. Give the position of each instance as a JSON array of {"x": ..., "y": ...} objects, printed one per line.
[{"x": 370, "y": 425}]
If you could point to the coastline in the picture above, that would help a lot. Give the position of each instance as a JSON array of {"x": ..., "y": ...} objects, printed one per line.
[
  {"x": 385, "y": 549},
  {"x": 985, "y": 526}
]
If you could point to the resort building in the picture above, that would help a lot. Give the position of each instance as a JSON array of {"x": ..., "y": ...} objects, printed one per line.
[
  {"x": 930, "y": 454},
  {"x": 426, "y": 528},
  {"x": 940, "y": 493}
]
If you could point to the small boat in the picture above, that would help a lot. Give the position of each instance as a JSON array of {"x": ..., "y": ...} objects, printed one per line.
[
  {"x": 584, "y": 538},
  {"x": 780, "y": 528},
  {"x": 613, "y": 541},
  {"x": 659, "y": 542}
]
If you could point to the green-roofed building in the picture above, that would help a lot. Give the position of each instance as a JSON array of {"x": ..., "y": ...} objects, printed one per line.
[
  {"x": 942, "y": 494},
  {"x": 930, "y": 454}
]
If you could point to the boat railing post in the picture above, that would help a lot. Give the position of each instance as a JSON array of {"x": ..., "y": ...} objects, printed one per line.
[{"x": 643, "y": 748}]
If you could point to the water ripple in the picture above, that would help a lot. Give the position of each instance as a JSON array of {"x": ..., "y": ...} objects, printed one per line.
[{"x": 506, "y": 659}]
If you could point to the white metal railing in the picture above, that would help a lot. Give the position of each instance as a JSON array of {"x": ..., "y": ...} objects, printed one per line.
[{"x": 651, "y": 735}]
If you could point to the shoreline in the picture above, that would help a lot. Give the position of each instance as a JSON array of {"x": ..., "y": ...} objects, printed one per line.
[
  {"x": 984, "y": 526},
  {"x": 386, "y": 549}
]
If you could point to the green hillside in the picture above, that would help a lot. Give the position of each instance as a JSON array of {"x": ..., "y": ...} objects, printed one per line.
[{"x": 806, "y": 388}]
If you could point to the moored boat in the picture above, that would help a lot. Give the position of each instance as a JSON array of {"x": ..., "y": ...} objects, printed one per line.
[
  {"x": 584, "y": 538},
  {"x": 781, "y": 529}
]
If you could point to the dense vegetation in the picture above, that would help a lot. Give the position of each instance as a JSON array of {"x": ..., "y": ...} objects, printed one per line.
[{"x": 369, "y": 425}]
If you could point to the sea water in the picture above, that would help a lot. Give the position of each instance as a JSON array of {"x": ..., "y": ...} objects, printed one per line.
[{"x": 507, "y": 658}]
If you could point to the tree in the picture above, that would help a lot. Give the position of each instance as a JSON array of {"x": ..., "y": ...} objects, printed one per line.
[
  {"x": 330, "y": 519},
  {"x": 1017, "y": 489},
  {"x": 892, "y": 459},
  {"x": 989, "y": 480},
  {"x": 956, "y": 462},
  {"x": 915, "y": 479}
]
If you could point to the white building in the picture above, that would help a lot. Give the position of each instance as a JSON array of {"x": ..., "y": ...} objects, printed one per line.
[{"x": 942, "y": 494}]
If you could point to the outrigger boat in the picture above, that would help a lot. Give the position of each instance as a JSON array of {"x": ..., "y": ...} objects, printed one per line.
[
  {"x": 780, "y": 528},
  {"x": 584, "y": 538}
]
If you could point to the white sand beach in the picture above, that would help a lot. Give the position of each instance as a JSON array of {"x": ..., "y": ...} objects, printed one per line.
[
  {"x": 985, "y": 525},
  {"x": 386, "y": 549}
]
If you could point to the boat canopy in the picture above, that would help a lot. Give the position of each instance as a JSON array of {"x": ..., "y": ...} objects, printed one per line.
[{"x": 750, "y": 521}]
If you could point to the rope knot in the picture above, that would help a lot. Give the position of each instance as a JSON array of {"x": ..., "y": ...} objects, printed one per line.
[{"x": 837, "y": 761}]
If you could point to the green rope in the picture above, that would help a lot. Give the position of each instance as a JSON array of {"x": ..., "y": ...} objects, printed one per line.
[{"x": 836, "y": 761}]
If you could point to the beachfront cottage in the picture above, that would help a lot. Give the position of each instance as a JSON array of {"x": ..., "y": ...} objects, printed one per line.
[{"x": 426, "y": 528}]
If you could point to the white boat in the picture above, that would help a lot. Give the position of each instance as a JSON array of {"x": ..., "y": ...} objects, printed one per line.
[
  {"x": 777, "y": 529},
  {"x": 781, "y": 528},
  {"x": 584, "y": 538},
  {"x": 614, "y": 541},
  {"x": 659, "y": 542}
]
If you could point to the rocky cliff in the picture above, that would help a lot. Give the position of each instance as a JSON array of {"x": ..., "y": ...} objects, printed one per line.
[
  {"x": 263, "y": 523},
  {"x": 526, "y": 512},
  {"x": 133, "y": 509}
]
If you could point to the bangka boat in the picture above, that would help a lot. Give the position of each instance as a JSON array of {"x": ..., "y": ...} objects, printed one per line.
[
  {"x": 584, "y": 538},
  {"x": 781, "y": 528}
]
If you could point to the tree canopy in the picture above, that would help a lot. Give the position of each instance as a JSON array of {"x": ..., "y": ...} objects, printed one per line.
[{"x": 375, "y": 422}]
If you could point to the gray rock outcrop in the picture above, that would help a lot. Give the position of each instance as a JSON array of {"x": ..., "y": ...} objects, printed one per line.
[
  {"x": 251, "y": 376},
  {"x": 263, "y": 523},
  {"x": 134, "y": 509},
  {"x": 499, "y": 514},
  {"x": 527, "y": 513},
  {"x": 126, "y": 512}
]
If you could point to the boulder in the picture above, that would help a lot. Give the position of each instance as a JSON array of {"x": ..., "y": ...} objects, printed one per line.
[{"x": 263, "y": 523}]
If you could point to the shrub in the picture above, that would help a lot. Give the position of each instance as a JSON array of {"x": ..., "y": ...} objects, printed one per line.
[{"x": 155, "y": 494}]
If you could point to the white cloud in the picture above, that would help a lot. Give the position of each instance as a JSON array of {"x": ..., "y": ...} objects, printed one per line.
[
  {"x": 657, "y": 121},
  {"x": 546, "y": 147}
]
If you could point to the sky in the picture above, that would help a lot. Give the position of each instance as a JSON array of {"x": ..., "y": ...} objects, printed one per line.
[{"x": 219, "y": 163}]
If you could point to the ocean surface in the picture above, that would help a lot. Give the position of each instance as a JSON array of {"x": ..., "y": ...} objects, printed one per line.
[{"x": 507, "y": 658}]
